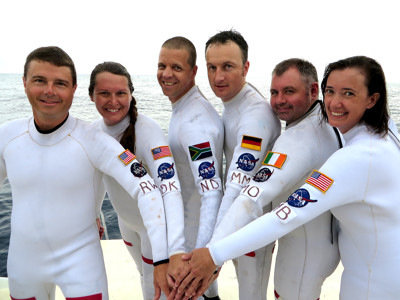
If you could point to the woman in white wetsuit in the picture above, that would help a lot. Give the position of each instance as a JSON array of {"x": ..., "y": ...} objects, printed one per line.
[
  {"x": 111, "y": 90},
  {"x": 358, "y": 183}
]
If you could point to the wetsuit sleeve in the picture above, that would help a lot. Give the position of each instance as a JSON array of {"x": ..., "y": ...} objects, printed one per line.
[
  {"x": 328, "y": 188},
  {"x": 105, "y": 153},
  {"x": 253, "y": 138},
  {"x": 201, "y": 153},
  {"x": 158, "y": 157},
  {"x": 275, "y": 178}
]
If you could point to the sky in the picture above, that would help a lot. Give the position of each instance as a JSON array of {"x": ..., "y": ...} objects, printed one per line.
[{"x": 131, "y": 31}]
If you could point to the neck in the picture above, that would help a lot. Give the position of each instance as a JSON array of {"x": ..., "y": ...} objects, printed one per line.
[{"x": 46, "y": 127}]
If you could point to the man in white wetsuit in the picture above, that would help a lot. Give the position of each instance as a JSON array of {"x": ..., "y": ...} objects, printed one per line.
[
  {"x": 54, "y": 163},
  {"x": 111, "y": 90},
  {"x": 308, "y": 255},
  {"x": 196, "y": 137},
  {"x": 358, "y": 183},
  {"x": 251, "y": 129}
]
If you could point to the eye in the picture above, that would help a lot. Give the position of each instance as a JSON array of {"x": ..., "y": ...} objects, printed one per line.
[
  {"x": 348, "y": 93},
  {"x": 177, "y": 68},
  {"x": 61, "y": 83},
  {"x": 211, "y": 68},
  {"x": 329, "y": 91},
  {"x": 161, "y": 66},
  {"x": 289, "y": 92},
  {"x": 228, "y": 66},
  {"x": 273, "y": 93},
  {"x": 122, "y": 93}
]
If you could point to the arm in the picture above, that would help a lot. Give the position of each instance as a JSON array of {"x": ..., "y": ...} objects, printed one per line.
[
  {"x": 133, "y": 177},
  {"x": 152, "y": 146},
  {"x": 257, "y": 129}
]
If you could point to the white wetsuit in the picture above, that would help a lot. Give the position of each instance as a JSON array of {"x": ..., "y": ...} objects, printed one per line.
[
  {"x": 251, "y": 129},
  {"x": 359, "y": 184},
  {"x": 196, "y": 136},
  {"x": 307, "y": 255},
  {"x": 152, "y": 151},
  {"x": 54, "y": 179}
]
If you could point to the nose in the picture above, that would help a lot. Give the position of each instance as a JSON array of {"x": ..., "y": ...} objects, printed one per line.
[
  {"x": 167, "y": 72},
  {"x": 50, "y": 90},
  {"x": 280, "y": 98},
  {"x": 219, "y": 75}
]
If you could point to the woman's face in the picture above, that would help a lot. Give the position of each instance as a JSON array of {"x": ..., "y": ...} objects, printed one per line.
[
  {"x": 112, "y": 97},
  {"x": 346, "y": 98}
]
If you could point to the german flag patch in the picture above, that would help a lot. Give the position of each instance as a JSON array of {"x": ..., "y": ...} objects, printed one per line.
[{"x": 251, "y": 142}]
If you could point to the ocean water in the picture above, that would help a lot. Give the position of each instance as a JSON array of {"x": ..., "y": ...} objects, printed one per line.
[{"x": 150, "y": 101}]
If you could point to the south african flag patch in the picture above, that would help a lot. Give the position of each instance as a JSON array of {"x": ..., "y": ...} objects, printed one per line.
[{"x": 200, "y": 151}]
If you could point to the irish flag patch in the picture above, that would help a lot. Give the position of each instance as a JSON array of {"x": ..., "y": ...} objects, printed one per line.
[{"x": 274, "y": 159}]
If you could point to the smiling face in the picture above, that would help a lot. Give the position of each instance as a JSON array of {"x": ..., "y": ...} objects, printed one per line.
[
  {"x": 112, "y": 97},
  {"x": 226, "y": 70},
  {"x": 290, "y": 96},
  {"x": 346, "y": 98},
  {"x": 50, "y": 91},
  {"x": 174, "y": 74}
]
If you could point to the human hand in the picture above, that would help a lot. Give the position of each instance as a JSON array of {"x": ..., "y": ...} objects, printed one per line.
[
  {"x": 196, "y": 276},
  {"x": 160, "y": 281},
  {"x": 176, "y": 266}
]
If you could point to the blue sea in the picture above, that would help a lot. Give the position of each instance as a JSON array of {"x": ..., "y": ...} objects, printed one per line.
[{"x": 151, "y": 102}]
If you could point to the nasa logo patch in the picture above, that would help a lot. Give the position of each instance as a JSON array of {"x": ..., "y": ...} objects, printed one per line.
[
  {"x": 138, "y": 170},
  {"x": 166, "y": 171},
  {"x": 246, "y": 162},
  {"x": 206, "y": 170},
  {"x": 300, "y": 198},
  {"x": 263, "y": 175}
]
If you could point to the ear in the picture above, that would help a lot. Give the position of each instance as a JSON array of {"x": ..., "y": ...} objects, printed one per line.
[
  {"x": 314, "y": 90},
  {"x": 373, "y": 100},
  {"x": 246, "y": 68},
  {"x": 194, "y": 72}
]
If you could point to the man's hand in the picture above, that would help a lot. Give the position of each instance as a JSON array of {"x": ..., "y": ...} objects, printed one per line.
[
  {"x": 176, "y": 266},
  {"x": 197, "y": 275},
  {"x": 160, "y": 281}
]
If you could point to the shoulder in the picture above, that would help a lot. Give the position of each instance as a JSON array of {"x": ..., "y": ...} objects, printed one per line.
[{"x": 13, "y": 128}]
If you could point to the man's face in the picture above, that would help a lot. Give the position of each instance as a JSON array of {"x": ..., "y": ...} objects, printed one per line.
[
  {"x": 50, "y": 91},
  {"x": 290, "y": 97},
  {"x": 226, "y": 71},
  {"x": 175, "y": 75}
]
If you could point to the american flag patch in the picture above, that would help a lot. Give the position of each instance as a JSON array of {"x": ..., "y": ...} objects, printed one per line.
[
  {"x": 320, "y": 181},
  {"x": 126, "y": 157},
  {"x": 161, "y": 152}
]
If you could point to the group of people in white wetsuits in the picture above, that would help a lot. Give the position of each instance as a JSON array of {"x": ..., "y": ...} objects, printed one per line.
[{"x": 183, "y": 206}]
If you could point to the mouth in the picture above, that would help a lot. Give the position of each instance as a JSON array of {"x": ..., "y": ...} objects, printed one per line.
[
  {"x": 336, "y": 114},
  {"x": 48, "y": 101},
  {"x": 112, "y": 110},
  {"x": 168, "y": 83}
]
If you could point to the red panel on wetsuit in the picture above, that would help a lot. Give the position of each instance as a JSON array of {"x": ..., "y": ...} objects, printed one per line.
[{"x": 91, "y": 297}]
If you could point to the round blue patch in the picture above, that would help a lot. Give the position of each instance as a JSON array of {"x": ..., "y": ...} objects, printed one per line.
[
  {"x": 300, "y": 198},
  {"x": 262, "y": 175},
  {"x": 207, "y": 170},
  {"x": 138, "y": 170},
  {"x": 246, "y": 162},
  {"x": 166, "y": 171}
]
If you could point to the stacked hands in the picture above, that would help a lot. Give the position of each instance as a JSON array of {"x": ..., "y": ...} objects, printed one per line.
[{"x": 188, "y": 276}]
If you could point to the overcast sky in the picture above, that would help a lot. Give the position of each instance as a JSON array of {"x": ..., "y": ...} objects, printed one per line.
[{"x": 131, "y": 32}]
